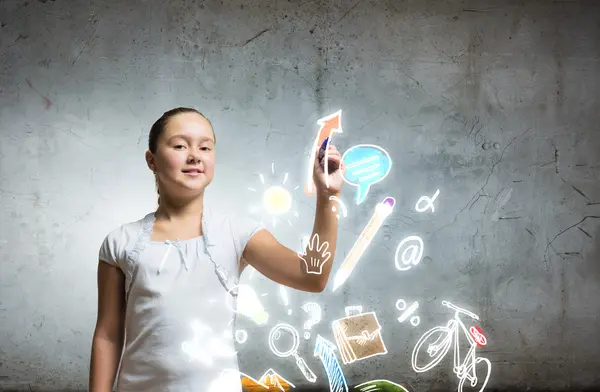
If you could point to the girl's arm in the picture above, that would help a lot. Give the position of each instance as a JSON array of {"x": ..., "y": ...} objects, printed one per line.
[
  {"x": 307, "y": 272},
  {"x": 107, "y": 343}
]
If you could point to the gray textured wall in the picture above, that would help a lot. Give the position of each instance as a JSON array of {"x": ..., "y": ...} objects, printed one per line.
[{"x": 514, "y": 236}]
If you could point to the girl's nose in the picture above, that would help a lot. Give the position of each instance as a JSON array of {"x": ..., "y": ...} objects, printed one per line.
[{"x": 194, "y": 158}]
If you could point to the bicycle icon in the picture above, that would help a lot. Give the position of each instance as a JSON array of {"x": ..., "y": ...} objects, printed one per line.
[{"x": 436, "y": 342}]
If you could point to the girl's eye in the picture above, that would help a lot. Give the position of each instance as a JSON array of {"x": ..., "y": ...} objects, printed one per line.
[
  {"x": 179, "y": 145},
  {"x": 206, "y": 148}
]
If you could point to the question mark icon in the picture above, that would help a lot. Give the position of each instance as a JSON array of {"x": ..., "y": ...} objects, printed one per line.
[{"x": 314, "y": 316}]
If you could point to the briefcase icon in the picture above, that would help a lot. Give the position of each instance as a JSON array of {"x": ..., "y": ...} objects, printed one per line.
[{"x": 358, "y": 337}]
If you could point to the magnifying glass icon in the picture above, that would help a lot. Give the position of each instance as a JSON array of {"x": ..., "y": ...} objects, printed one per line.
[{"x": 275, "y": 335}]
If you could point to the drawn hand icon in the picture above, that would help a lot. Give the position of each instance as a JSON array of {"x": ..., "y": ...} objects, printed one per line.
[{"x": 318, "y": 256}]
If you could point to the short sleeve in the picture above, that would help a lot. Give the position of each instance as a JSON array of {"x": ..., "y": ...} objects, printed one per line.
[
  {"x": 244, "y": 228},
  {"x": 111, "y": 248}
]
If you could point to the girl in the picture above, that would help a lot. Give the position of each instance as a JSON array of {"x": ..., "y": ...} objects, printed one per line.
[{"x": 167, "y": 282}]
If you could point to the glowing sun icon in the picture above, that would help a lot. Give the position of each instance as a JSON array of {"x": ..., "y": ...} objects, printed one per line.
[{"x": 277, "y": 200}]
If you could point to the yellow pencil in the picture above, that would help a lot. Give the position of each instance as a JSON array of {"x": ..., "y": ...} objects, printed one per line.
[{"x": 382, "y": 211}]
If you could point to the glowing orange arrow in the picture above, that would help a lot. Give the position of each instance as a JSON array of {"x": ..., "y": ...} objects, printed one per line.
[{"x": 329, "y": 125}]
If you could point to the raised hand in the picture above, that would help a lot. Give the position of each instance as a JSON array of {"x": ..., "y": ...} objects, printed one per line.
[{"x": 329, "y": 183}]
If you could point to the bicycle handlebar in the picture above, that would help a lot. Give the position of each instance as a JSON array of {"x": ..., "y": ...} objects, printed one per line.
[{"x": 460, "y": 310}]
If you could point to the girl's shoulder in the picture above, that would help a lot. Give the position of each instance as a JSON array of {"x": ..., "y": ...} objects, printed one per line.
[
  {"x": 122, "y": 238},
  {"x": 131, "y": 230}
]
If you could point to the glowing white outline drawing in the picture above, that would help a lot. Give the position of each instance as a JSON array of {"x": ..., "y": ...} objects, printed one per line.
[
  {"x": 414, "y": 320},
  {"x": 325, "y": 124},
  {"x": 365, "y": 337},
  {"x": 369, "y": 389},
  {"x": 416, "y": 253},
  {"x": 315, "y": 262},
  {"x": 269, "y": 375},
  {"x": 241, "y": 336},
  {"x": 247, "y": 304},
  {"x": 429, "y": 202},
  {"x": 324, "y": 349},
  {"x": 440, "y": 347},
  {"x": 275, "y": 334},
  {"x": 353, "y": 310},
  {"x": 284, "y": 296},
  {"x": 314, "y": 316},
  {"x": 340, "y": 203},
  {"x": 360, "y": 198},
  {"x": 382, "y": 211},
  {"x": 304, "y": 241}
]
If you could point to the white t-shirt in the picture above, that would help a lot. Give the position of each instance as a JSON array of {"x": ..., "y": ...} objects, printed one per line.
[{"x": 179, "y": 315}]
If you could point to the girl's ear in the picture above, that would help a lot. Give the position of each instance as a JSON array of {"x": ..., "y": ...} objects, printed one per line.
[{"x": 150, "y": 161}]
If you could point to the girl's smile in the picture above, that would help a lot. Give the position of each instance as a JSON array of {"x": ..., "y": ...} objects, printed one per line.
[{"x": 193, "y": 173}]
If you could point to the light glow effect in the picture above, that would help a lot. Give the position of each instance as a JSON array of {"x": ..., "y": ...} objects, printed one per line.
[
  {"x": 353, "y": 309},
  {"x": 324, "y": 349},
  {"x": 329, "y": 125},
  {"x": 248, "y": 304},
  {"x": 205, "y": 345},
  {"x": 275, "y": 335},
  {"x": 380, "y": 385},
  {"x": 314, "y": 316},
  {"x": 435, "y": 344},
  {"x": 366, "y": 165},
  {"x": 478, "y": 336},
  {"x": 412, "y": 251},
  {"x": 315, "y": 262},
  {"x": 277, "y": 200},
  {"x": 229, "y": 380},
  {"x": 382, "y": 211},
  {"x": 428, "y": 202},
  {"x": 273, "y": 380},
  {"x": 252, "y": 271},
  {"x": 401, "y": 305},
  {"x": 241, "y": 336},
  {"x": 358, "y": 337},
  {"x": 340, "y": 205},
  {"x": 304, "y": 243},
  {"x": 284, "y": 297}
]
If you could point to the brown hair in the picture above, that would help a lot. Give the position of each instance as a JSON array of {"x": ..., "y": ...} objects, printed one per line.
[{"x": 160, "y": 125}]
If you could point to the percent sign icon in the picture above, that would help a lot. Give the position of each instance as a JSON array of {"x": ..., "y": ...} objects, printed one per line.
[{"x": 401, "y": 306}]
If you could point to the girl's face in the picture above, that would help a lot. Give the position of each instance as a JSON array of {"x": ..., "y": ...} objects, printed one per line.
[{"x": 186, "y": 143}]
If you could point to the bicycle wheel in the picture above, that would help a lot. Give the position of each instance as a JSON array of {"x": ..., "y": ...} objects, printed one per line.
[
  {"x": 442, "y": 337},
  {"x": 488, "y": 371}
]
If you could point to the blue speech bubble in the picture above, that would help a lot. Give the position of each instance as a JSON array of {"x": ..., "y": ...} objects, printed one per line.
[{"x": 366, "y": 164}]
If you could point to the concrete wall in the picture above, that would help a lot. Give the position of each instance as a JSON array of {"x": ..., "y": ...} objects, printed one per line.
[{"x": 494, "y": 103}]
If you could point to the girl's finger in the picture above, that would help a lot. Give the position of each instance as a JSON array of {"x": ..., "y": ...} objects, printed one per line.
[
  {"x": 330, "y": 153},
  {"x": 329, "y": 150},
  {"x": 333, "y": 153}
]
